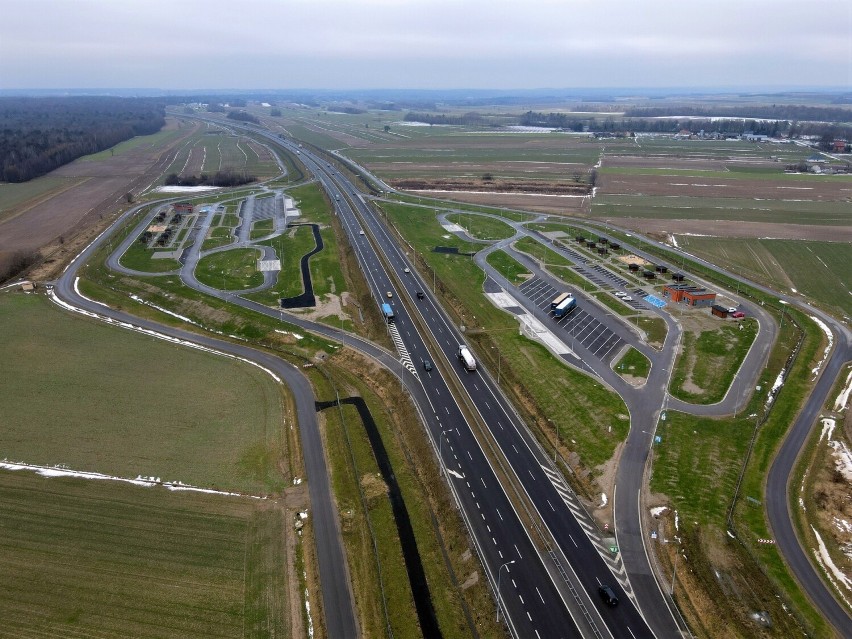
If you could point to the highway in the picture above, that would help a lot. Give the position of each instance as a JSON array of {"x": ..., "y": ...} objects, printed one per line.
[{"x": 532, "y": 575}]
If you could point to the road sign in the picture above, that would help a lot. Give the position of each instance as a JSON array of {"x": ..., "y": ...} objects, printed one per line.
[{"x": 613, "y": 550}]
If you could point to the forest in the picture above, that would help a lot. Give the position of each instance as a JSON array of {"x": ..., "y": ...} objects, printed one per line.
[{"x": 38, "y": 135}]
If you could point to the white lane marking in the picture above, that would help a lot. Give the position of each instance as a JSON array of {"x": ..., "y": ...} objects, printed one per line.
[
  {"x": 572, "y": 541},
  {"x": 539, "y": 594},
  {"x": 551, "y": 505},
  {"x": 498, "y": 514},
  {"x": 518, "y": 551}
]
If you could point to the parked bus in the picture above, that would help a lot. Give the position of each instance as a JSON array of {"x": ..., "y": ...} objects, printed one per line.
[
  {"x": 566, "y": 305},
  {"x": 559, "y": 299}
]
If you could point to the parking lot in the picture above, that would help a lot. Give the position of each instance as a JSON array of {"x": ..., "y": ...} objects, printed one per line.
[{"x": 578, "y": 328}]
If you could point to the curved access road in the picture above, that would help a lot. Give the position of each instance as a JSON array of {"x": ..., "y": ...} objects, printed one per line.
[{"x": 338, "y": 604}]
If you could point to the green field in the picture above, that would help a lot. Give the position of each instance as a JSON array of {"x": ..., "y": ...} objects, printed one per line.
[
  {"x": 195, "y": 417},
  {"x": 232, "y": 270},
  {"x": 708, "y": 362},
  {"x": 634, "y": 364},
  {"x": 102, "y": 559},
  {"x": 482, "y": 227},
  {"x": 508, "y": 267},
  {"x": 819, "y": 271}
]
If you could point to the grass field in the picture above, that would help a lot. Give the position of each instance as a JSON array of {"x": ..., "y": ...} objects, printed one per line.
[
  {"x": 708, "y": 362},
  {"x": 819, "y": 271},
  {"x": 15, "y": 196},
  {"x": 101, "y": 559},
  {"x": 140, "y": 258},
  {"x": 195, "y": 418},
  {"x": 633, "y": 364},
  {"x": 232, "y": 270},
  {"x": 482, "y": 227},
  {"x": 508, "y": 267}
]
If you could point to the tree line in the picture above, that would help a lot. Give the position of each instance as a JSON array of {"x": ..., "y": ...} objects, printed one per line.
[
  {"x": 220, "y": 178},
  {"x": 242, "y": 116},
  {"x": 38, "y": 135}
]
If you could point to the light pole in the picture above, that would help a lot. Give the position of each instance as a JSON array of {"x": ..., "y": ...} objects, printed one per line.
[
  {"x": 674, "y": 574},
  {"x": 499, "y": 574}
]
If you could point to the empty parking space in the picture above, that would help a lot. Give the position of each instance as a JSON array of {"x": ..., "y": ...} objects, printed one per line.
[{"x": 577, "y": 328}]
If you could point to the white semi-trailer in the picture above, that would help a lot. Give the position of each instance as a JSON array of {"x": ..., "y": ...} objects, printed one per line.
[{"x": 466, "y": 358}]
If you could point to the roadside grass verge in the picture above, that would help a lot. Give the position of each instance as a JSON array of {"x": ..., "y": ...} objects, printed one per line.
[
  {"x": 708, "y": 362},
  {"x": 290, "y": 248},
  {"x": 197, "y": 418},
  {"x": 613, "y": 303},
  {"x": 482, "y": 227},
  {"x": 232, "y": 270},
  {"x": 98, "y": 558},
  {"x": 508, "y": 267},
  {"x": 442, "y": 539},
  {"x": 822, "y": 499},
  {"x": 722, "y": 565},
  {"x": 633, "y": 364},
  {"x": 591, "y": 419},
  {"x": 515, "y": 216}
]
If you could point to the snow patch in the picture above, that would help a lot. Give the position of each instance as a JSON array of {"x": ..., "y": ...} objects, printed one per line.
[
  {"x": 296, "y": 335},
  {"x": 659, "y": 510},
  {"x": 146, "y": 482},
  {"x": 779, "y": 382},
  {"x": 603, "y": 500},
  {"x": 677, "y": 527},
  {"x": 827, "y": 428},
  {"x": 842, "y": 400},
  {"x": 185, "y": 189},
  {"x": 825, "y": 329},
  {"x": 837, "y": 576},
  {"x": 842, "y": 459},
  {"x": 673, "y": 240}
]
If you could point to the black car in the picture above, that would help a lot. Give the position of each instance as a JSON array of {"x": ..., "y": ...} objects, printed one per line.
[
  {"x": 420, "y": 295},
  {"x": 608, "y": 595},
  {"x": 427, "y": 365}
]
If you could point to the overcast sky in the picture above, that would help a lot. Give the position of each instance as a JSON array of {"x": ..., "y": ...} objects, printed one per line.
[{"x": 428, "y": 44}]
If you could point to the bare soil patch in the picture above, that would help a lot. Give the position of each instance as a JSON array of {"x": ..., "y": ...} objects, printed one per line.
[
  {"x": 730, "y": 228},
  {"x": 632, "y": 259},
  {"x": 491, "y": 186},
  {"x": 699, "y": 186},
  {"x": 51, "y": 224},
  {"x": 535, "y": 202}
]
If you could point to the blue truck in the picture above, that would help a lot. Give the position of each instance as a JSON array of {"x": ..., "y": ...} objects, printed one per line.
[
  {"x": 387, "y": 311},
  {"x": 564, "y": 307}
]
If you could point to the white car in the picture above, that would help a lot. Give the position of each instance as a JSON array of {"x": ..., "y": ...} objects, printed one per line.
[
  {"x": 361, "y": 232},
  {"x": 620, "y": 294},
  {"x": 406, "y": 269},
  {"x": 732, "y": 309},
  {"x": 627, "y": 298}
]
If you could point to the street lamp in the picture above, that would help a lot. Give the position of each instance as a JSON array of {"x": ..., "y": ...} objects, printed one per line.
[{"x": 499, "y": 574}]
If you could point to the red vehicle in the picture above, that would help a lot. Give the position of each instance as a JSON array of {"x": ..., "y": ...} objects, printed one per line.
[{"x": 738, "y": 315}]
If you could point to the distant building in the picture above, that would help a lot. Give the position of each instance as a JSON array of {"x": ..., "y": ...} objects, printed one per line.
[
  {"x": 816, "y": 158},
  {"x": 839, "y": 146},
  {"x": 750, "y": 136},
  {"x": 182, "y": 207}
]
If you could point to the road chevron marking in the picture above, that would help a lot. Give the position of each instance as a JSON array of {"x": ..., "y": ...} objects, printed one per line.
[
  {"x": 400, "y": 348},
  {"x": 613, "y": 562}
]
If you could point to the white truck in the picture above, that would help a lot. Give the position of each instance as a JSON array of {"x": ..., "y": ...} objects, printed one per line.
[{"x": 466, "y": 358}]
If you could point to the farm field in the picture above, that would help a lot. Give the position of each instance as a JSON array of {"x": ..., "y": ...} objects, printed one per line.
[
  {"x": 818, "y": 271},
  {"x": 78, "y": 195},
  {"x": 213, "y": 149},
  {"x": 196, "y": 418},
  {"x": 98, "y": 558}
]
